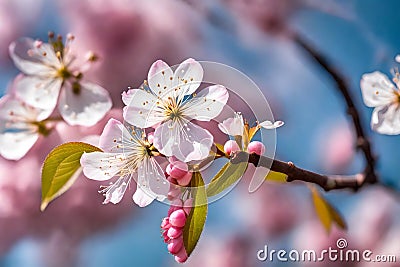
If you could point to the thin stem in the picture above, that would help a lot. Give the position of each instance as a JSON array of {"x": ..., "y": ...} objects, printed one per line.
[{"x": 295, "y": 173}]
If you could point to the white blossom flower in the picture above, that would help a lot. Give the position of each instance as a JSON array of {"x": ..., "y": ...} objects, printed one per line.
[
  {"x": 233, "y": 126},
  {"x": 170, "y": 104},
  {"x": 20, "y": 127},
  {"x": 379, "y": 92},
  {"x": 126, "y": 155},
  {"x": 52, "y": 75}
]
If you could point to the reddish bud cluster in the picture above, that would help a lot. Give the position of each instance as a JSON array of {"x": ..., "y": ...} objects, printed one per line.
[{"x": 172, "y": 228}]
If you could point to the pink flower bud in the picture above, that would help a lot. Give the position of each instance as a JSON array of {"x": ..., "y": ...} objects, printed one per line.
[
  {"x": 231, "y": 146},
  {"x": 174, "y": 232},
  {"x": 185, "y": 180},
  {"x": 178, "y": 218},
  {"x": 177, "y": 169},
  {"x": 175, "y": 245},
  {"x": 150, "y": 137},
  {"x": 256, "y": 147},
  {"x": 187, "y": 206},
  {"x": 175, "y": 205},
  {"x": 181, "y": 256},
  {"x": 165, "y": 224},
  {"x": 165, "y": 236},
  {"x": 171, "y": 180}
]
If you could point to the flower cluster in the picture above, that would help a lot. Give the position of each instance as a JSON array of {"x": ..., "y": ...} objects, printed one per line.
[
  {"x": 172, "y": 228},
  {"x": 51, "y": 76}
]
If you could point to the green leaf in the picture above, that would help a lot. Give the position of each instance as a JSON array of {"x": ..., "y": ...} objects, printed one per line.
[
  {"x": 197, "y": 218},
  {"x": 227, "y": 176},
  {"x": 61, "y": 169},
  {"x": 327, "y": 214},
  {"x": 276, "y": 177}
]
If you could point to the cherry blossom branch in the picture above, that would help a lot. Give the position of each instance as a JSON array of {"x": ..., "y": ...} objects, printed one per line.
[
  {"x": 295, "y": 173},
  {"x": 363, "y": 143}
]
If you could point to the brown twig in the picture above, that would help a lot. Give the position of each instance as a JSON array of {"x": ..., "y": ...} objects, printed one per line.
[
  {"x": 362, "y": 141},
  {"x": 295, "y": 173}
]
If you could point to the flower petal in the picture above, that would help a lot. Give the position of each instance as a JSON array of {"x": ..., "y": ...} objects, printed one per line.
[
  {"x": 17, "y": 113},
  {"x": 114, "y": 137},
  {"x": 377, "y": 89},
  {"x": 160, "y": 78},
  {"x": 33, "y": 59},
  {"x": 151, "y": 182},
  {"x": 142, "y": 198},
  {"x": 158, "y": 183},
  {"x": 142, "y": 110},
  {"x": 15, "y": 145},
  {"x": 233, "y": 126},
  {"x": 86, "y": 107},
  {"x": 187, "y": 77},
  {"x": 38, "y": 92},
  {"x": 114, "y": 192},
  {"x": 269, "y": 125},
  {"x": 207, "y": 104},
  {"x": 183, "y": 139},
  {"x": 386, "y": 120},
  {"x": 102, "y": 166}
]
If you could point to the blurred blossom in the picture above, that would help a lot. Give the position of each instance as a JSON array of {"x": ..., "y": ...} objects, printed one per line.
[
  {"x": 130, "y": 35},
  {"x": 233, "y": 251},
  {"x": 269, "y": 15},
  {"x": 372, "y": 224},
  {"x": 15, "y": 17},
  {"x": 52, "y": 77},
  {"x": 274, "y": 211},
  {"x": 336, "y": 147},
  {"x": 311, "y": 235},
  {"x": 372, "y": 217},
  {"x": 75, "y": 215},
  {"x": 20, "y": 127}
]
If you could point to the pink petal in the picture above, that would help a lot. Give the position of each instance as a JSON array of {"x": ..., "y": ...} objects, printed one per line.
[
  {"x": 207, "y": 104},
  {"x": 142, "y": 110},
  {"x": 185, "y": 140},
  {"x": 160, "y": 78},
  {"x": 187, "y": 77}
]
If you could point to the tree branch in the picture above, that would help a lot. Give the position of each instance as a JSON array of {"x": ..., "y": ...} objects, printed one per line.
[
  {"x": 294, "y": 173},
  {"x": 362, "y": 141}
]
